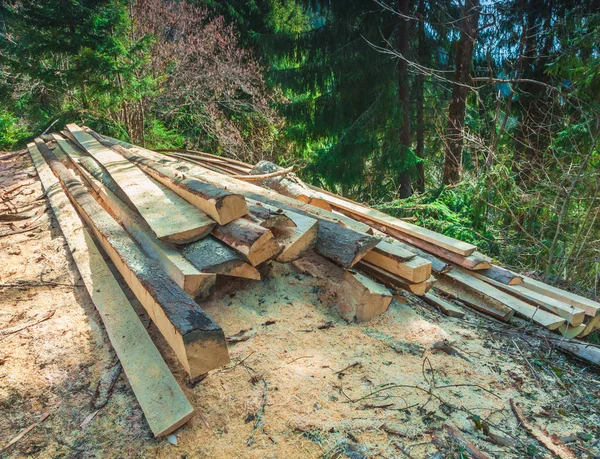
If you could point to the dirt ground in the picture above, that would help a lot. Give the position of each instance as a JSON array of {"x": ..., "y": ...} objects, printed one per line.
[{"x": 302, "y": 382}]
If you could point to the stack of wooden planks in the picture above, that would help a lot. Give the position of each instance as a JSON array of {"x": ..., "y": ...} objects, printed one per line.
[
  {"x": 173, "y": 224},
  {"x": 400, "y": 260}
]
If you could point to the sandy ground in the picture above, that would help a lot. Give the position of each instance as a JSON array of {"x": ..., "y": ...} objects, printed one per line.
[{"x": 302, "y": 381}]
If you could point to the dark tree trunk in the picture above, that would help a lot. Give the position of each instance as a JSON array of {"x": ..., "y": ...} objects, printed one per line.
[
  {"x": 420, "y": 94},
  {"x": 531, "y": 135},
  {"x": 460, "y": 91},
  {"x": 404, "y": 99}
]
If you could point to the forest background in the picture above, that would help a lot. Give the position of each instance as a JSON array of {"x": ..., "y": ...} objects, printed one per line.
[{"x": 479, "y": 119}]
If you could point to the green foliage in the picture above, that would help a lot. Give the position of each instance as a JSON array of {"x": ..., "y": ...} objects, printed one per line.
[
  {"x": 159, "y": 136},
  {"x": 454, "y": 211},
  {"x": 12, "y": 131}
]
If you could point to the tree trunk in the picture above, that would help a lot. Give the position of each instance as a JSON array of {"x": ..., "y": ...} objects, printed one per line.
[
  {"x": 420, "y": 93},
  {"x": 460, "y": 91},
  {"x": 404, "y": 99}
]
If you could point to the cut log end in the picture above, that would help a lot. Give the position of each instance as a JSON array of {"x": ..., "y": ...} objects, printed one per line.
[
  {"x": 362, "y": 298},
  {"x": 231, "y": 207},
  {"x": 206, "y": 351},
  {"x": 296, "y": 241},
  {"x": 264, "y": 249}
]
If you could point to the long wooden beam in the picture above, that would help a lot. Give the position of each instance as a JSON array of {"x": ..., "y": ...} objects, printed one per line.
[
  {"x": 591, "y": 308},
  {"x": 525, "y": 310},
  {"x": 392, "y": 280},
  {"x": 444, "y": 306},
  {"x": 210, "y": 255},
  {"x": 438, "y": 266},
  {"x": 163, "y": 402},
  {"x": 228, "y": 262},
  {"x": 353, "y": 209},
  {"x": 570, "y": 313},
  {"x": 194, "y": 282},
  {"x": 173, "y": 220},
  {"x": 222, "y": 205},
  {"x": 393, "y": 259},
  {"x": 249, "y": 190},
  {"x": 474, "y": 299},
  {"x": 198, "y": 342}
]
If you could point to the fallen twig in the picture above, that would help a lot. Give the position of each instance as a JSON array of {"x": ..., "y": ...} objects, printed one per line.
[
  {"x": 105, "y": 386},
  {"x": 15, "y": 188},
  {"x": 402, "y": 450},
  {"x": 347, "y": 368},
  {"x": 298, "y": 358},
  {"x": 448, "y": 349},
  {"x": 261, "y": 411},
  {"x": 470, "y": 448},
  {"x": 25, "y": 283},
  {"x": 18, "y": 328},
  {"x": 16, "y": 217},
  {"x": 554, "y": 445},
  {"x": 256, "y": 178},
  {"x": 24, "y": 230},
  {"x": 25, "y": 431}
]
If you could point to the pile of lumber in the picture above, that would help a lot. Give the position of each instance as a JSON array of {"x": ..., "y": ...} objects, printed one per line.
[
  {"x": 407, "y": 254},
  {"x": 173, "y": 224}
]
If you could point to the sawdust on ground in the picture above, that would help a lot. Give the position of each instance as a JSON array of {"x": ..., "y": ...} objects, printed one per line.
[{"x": 302, "y": 381}]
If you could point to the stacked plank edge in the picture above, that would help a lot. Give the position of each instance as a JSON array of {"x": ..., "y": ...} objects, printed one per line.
[{"x": 172, "y": 223}]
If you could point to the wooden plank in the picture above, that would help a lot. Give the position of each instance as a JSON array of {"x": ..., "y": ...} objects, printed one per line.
[
  {"x": 395, "y": 250},
  {"x": 163, "y": 402},
  {"x": 235, "y": 169},
  {"x": 475, "y": 261},
  {"x": 335, "y": 231},
  {"x": 230, "y": 264},
  {"x": 502, "y": 275},
  {"x": 210, "y": 255},
  {"x": 591, "y": 308},
  {"x": 437, "y": 265},
  {"x": 525, "y": 310},
  {"x": 474, "y": 299},
  {"x": 288, "y": 185},
  {"x": 384, "y": 256},
  {"x": 444, "y": 306},
  {"x": 194, "y": 282},
  {"x": 198, "y": 342},
  {"x": 171, "y": 219},
  {"x": 352, "y": 209},
  {"x": 584, "y": 351},
  {"x": 392, "y": 280},
  {"x": 298, "y": 240},
  {"x": 362, "y": 298},
  {"x": 573, "y": 315}
]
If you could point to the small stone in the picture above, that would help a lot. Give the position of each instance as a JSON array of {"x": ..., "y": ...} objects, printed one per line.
[{"x": 172, "y": 439}]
